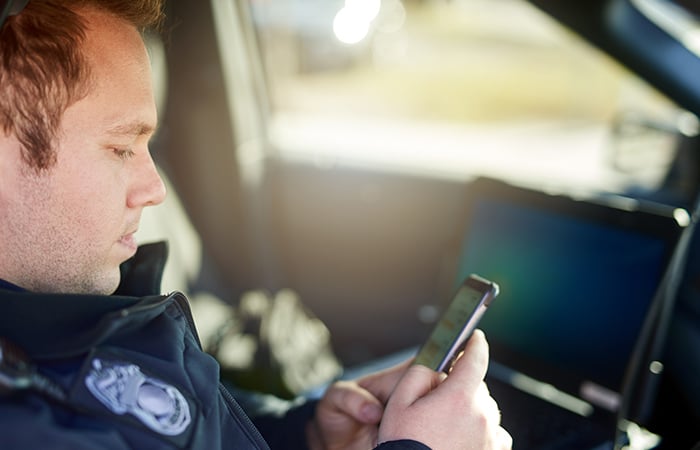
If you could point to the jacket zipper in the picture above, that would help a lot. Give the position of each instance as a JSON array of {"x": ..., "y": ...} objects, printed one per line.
[{"x": 234, "y": 408}]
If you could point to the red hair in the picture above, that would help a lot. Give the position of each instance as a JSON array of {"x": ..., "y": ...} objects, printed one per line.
[{"x": 43, "y": 70}]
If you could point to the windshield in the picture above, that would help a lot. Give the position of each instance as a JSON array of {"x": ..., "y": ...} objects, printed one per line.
[{"x": 457, "y": 89}]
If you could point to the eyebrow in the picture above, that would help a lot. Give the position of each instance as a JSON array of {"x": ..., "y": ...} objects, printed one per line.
[{"x": 132, "y": 129}]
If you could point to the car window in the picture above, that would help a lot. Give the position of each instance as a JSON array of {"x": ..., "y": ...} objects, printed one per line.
[
  {"x": 681, "y": 21},
  {"x": 459, "y": 88}
]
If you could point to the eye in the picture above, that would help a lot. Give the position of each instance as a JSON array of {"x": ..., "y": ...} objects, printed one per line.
[{"x": 123, "y": 153}]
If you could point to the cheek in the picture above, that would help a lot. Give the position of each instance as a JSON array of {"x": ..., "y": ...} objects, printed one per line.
[
  {"x": 49, "y": 225},
  {"x": 88, "y": 195},
  {"x": 103, "y": 210},
  {"x": 91, "y": 204}
]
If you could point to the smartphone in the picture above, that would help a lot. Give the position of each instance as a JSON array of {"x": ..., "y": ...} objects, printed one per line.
[{"x": 451, "y": 333}]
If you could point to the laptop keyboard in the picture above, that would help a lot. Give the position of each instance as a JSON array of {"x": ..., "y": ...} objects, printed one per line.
[{"x": 538, "y": 425}]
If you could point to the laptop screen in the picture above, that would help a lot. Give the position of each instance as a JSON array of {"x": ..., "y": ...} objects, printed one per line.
[{"x": 576, "y": 279}]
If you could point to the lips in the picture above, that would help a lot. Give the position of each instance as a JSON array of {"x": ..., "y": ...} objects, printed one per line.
[{"x": 129, "y": 241}]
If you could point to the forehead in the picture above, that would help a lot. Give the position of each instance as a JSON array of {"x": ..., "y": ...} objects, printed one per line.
[
  {"x": 121, "y": 91},
  {"x": 110, "y": 39}
]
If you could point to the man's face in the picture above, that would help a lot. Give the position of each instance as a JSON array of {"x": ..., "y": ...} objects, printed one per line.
[{"x": 69, "y": 229}]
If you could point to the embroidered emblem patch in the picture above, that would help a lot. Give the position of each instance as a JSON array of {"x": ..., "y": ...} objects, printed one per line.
[{"x": 124, "y": 389}]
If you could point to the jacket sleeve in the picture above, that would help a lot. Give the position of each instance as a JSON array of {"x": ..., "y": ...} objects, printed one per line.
[{"x": 281, "y": 422}]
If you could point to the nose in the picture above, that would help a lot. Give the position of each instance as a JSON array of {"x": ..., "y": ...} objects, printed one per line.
[{"x": 147, "y": 187}]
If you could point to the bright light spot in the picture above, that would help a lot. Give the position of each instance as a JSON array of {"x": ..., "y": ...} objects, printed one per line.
[
  {"x": 349, "y": 26},
  {"x": 656, "y": 367},
  {"x": 692, "y": 41},
  {"x": 688, "y": 123},
  {"x": 682, "y": 217},
  {"x": 352, "y": 23}
]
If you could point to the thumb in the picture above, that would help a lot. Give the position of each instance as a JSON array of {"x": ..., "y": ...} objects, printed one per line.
[
  {"x": 470, "y": 368},
  {"x": 417, "y": 382}
]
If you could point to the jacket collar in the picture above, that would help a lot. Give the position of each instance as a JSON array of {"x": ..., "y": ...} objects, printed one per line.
[
  {"x": 63, "y": 325},
  {"x": 6, "y": 285}
]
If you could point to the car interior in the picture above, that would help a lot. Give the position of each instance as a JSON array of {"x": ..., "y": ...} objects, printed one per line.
[
  {"x": 336, "y": 167},
  {"x": 327, "y": 162}
]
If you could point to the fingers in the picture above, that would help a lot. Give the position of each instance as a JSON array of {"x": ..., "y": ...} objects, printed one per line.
[
  {"x": 417, "y": 382},
  {"x": 346, "y": 418},
  {"x": 470, "y": 368},
  {"x": 430, "y": 407},
  {"x": 381, "y": 384},
  {"x": 501, "y": 439},
  {"x": 469, "y": 371},
  {"x": 351, "y": 399},
  {"x": 487, "y": 405}
]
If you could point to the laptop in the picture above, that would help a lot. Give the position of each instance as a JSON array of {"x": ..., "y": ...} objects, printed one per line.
[{"x": 577, "y": 279}]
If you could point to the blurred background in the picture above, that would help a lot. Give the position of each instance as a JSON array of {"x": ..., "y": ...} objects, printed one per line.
[
  {"x": 453, "y": 88},
  {"x": 403, "y": 101},
  {"x": 326, "y": 146}
]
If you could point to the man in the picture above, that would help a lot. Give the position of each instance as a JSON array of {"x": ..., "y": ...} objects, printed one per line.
[{"x": 83, "y": 366}]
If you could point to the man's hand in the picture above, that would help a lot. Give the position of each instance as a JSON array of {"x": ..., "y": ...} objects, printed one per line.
[
  {"x": 414, "y": 402},
  {"x": 348, "y": 415},
  {"x": 447, "y": 412}
]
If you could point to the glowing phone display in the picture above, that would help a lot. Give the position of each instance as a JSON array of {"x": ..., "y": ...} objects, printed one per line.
[{"x": 451, "y": 333}]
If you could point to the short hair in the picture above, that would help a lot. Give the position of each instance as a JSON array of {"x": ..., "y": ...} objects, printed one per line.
[{"x": 43, "y": 69}]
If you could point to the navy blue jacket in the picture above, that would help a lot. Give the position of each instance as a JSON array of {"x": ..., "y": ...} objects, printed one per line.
[{"x": 126, "y": 371}]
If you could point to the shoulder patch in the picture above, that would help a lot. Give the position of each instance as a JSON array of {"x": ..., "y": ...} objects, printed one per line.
[{"x": 124, "y": 389}]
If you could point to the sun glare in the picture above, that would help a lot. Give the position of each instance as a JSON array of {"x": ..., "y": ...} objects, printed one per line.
[{"x": 352, "y": 23}]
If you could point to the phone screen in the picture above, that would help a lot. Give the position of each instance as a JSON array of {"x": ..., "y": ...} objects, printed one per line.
[{"x": 457, "y": 323}]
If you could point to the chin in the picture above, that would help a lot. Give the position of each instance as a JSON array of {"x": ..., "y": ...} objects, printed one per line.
[
  {"x": 91, "y": 287},
  {"x": 109, "y": 290},
  {"x": 106, "y": 283}
]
